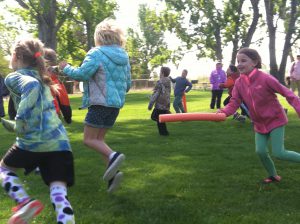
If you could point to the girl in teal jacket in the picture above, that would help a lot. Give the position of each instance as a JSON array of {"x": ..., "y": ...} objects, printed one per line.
[
  {"x": 41, "y": 140},
  {"x": 106, "y": 75}
]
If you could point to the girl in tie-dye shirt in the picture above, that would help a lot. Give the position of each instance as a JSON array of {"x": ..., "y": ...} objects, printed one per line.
[{"x": 41, "y": 138}]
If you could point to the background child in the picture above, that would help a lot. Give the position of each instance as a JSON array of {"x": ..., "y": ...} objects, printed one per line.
[
  {"x": 106, "y": 72},
  {"x": 3, "y": 92},
  {"x": 182, "y": 85},
  {"x": 232, "y": 76},
  {"x": 41, "y": 138},
  {"x": 295, "y": 75},
  {"x": 217, "y": 76},
  {"x": 161, "y": 99},
  {"x": 258, "y": 90},
  {"x": 61, "y": 98}
]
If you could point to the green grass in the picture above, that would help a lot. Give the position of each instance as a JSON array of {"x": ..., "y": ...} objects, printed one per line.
[{"x": 204, "y": 172}]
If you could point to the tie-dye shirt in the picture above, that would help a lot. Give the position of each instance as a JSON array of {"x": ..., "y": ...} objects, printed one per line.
[{"x": 38, "y": 127}]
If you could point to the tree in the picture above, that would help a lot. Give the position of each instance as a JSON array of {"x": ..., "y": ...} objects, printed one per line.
[
  {"x": 200, "y": 24},
  {"x": 45, "y": 13},
  {"x": 76, "y": 36},
  {"x": 148, "y": 50},
  {"x": 287, "y": 12},
  {"x": 66, "y": 26}
]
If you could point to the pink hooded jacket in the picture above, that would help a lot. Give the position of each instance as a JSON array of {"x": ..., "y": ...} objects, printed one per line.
[{"x": 258, "y": 90}]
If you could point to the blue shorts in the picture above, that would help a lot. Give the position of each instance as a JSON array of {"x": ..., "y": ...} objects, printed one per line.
[{"x": 101, "y": 117}]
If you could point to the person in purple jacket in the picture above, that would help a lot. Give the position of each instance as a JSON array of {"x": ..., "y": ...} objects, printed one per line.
[
  {"x": 217, "y": 77},
  {"x": 258, "y": 90}
]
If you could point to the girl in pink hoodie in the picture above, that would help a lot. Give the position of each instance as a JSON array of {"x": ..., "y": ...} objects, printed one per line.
[{"x": 258, "y": 90}]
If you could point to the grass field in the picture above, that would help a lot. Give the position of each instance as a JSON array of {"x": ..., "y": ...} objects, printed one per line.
[{"x": 203, "y": 173}]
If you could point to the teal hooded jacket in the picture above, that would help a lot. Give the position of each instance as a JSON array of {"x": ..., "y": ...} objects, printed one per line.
[{"x": 106, "y": 75}]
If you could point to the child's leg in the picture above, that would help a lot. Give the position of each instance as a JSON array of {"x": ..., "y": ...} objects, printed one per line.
[
  {"x": 261, "y": 143},
  {"x": 278, "y": 150},
  {"x": 27, "y": 208},
  {"x": 213, "y": 99},
  {"x": 12, "y": 184},
  {"x": 162, "y": 128},
  {"x": 176, "y": 104},
  {"x": 94, "y": 138},
  {"x": 219, "y": 97},
  {"x": 61, "y": 204}
]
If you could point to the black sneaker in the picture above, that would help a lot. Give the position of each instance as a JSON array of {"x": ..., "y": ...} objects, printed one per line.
[
  {"x": 114, "y": 183},
  {"x": 113, "y": 166}
]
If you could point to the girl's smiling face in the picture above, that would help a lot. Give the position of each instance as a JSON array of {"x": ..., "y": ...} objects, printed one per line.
[{"x": 245, "y": 64}]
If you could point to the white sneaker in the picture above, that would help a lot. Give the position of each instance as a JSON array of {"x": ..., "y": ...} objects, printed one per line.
[
  {"x": 113, "y": 166},
  {"x": 115, "y": 182}
]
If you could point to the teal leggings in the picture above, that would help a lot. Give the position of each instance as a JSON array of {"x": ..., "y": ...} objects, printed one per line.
[{"x": 276, "y": 136}]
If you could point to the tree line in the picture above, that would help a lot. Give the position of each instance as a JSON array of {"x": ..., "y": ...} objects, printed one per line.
[{"x": 205, "y": 27}]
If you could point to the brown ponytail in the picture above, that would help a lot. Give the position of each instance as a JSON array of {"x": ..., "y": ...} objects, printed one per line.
[{"x": 31, "y": 52}]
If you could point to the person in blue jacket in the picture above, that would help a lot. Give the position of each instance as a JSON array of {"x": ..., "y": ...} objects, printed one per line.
[
  {"x": 107, "y": 78},
  {"x": 182, "y": 85}
]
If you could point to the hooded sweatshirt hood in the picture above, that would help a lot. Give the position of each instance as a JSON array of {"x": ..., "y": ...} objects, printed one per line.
[{"x": 116, "y": 54}]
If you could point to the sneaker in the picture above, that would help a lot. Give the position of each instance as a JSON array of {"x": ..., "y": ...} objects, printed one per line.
[
  {"x": 235, "y": 115},
  {"x": 113, "y": 166},
  {"x": 271, "y": 179},
  {"x": 241, "y": 118},
  {"x": 24, "y": 212},
  {"x": 114, "y": 183}
]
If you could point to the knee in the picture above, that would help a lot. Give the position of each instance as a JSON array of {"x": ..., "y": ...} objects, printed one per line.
[
  {"x": 86, "y": 142},
  {"x": 261, "y": 153},
  {"x": 278, "y": 155}
]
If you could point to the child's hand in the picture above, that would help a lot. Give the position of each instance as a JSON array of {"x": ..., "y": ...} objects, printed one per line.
[{"x": 62, "y": 65}]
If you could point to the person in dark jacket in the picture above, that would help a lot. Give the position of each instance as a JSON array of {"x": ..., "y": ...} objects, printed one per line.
[{"x": 161, "y": 99}]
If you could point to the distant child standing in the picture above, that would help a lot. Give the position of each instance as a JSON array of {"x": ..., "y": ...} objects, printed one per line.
[
  {"x": 41, "y": 140},
  {"x": 258, "y": 90},
  {"x": 106, "y": 72},
  {"x": 217, "y": 77},
  {"x": 232, "y": 76},
  {"x": 182, "y": 86},
  {"x": 295, "y": 75},
  {"x": 161, "y": 99}
]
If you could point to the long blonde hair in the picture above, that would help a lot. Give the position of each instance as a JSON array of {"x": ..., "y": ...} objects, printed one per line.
[{"x": 30, "y": 51}]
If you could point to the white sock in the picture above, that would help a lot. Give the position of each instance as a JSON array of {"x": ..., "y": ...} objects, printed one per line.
[
  {"x": 111, "y": 155},
  {"x": 61, "y": 204}
]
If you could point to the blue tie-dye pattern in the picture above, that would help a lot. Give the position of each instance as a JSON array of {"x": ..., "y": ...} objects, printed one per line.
[{"x": 38, "y": 127}]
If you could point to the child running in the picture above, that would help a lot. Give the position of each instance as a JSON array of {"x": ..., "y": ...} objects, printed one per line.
[
  {"x": 161, "y": 99},
  {"x": 41, "y": 138},
  {"x": 106, "y": 72},
  {"x": 258, "y": 90}
]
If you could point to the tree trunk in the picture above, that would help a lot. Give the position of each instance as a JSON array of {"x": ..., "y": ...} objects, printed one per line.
[
  {"x": 47, "y": 23},
  {"x": 287, "y": 43},
  {"x": 252, "y": 28},
  {"x": 269, "y": 6}
]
